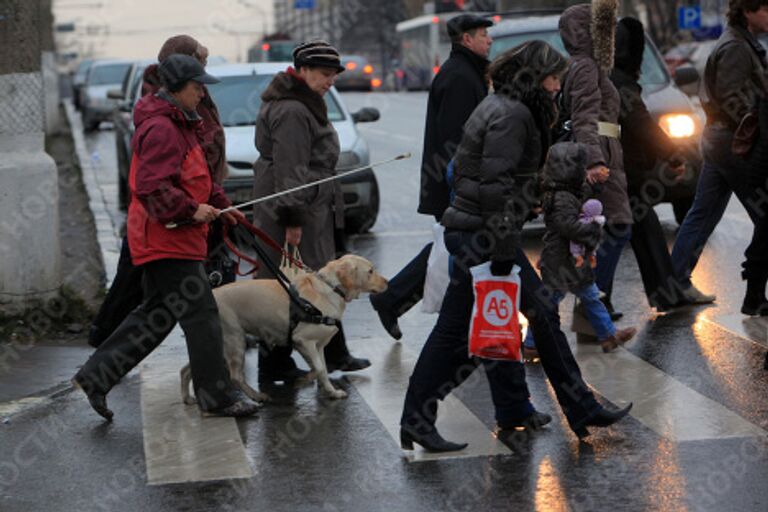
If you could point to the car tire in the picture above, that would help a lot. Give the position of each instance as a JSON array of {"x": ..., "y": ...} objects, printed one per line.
[
  {"x": 680, "y": 207},
  {"x": 122, "y": 180},
  {"x": 90, "y": 125}
]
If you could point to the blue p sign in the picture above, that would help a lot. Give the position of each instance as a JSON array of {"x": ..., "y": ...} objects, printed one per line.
[{"x": 689, "y": 18}]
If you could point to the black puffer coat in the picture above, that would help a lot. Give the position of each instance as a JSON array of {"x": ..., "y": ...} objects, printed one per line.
[
  {"x": 456, "y": 91},
  {"x": 564, "y": 192},
  {"x": 501, "y": 144}
]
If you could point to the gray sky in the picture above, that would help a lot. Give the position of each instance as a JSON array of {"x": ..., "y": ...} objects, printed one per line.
[{"x": 137, "y": 28}]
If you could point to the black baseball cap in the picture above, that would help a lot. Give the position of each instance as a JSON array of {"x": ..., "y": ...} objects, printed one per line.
[
  {"x": 466, "y": 22},
  {"x": 177, "y": 69}
]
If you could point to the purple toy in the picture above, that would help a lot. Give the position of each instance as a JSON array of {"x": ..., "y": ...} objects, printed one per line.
[{"x": 591, "y": 211}]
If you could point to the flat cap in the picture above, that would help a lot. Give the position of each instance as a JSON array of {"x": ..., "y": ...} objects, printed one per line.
[{"x": 466, "y": 22}]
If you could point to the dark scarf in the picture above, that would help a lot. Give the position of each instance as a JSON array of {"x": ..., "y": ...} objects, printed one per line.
[{"x": 289, "y": 85}]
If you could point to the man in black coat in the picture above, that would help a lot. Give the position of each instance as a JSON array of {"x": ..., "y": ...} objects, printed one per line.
[{"x": 457, "y": 89}]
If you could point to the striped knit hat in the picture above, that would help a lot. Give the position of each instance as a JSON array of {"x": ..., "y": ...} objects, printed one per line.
[{"x": 317, "y": 53}]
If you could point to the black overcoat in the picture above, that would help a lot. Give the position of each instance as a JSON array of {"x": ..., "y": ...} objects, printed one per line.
[{"x": 456, "y": 91}]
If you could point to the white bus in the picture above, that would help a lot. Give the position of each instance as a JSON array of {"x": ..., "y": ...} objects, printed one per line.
[{"x": 424, "y": 46}]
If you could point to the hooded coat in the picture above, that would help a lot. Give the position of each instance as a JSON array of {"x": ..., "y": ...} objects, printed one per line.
[
  {"x": 169, "y": 178},
  {"x": 643, "y": 141},
  {"x": 564, "y": 192},
  {"x": 456, "y": 91},
  {"x": 297, "y": 145},
  {"x": 589, "y": 97}
]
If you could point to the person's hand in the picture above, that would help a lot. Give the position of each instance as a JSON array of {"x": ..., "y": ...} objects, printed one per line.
[
  {"x": 598, "y": 174},
  {"x": 206, "y": 213},
  {"x": 293, "y": 235},
  {"x": 502, "y": 268},
  {"x": 233, "y": 217}
]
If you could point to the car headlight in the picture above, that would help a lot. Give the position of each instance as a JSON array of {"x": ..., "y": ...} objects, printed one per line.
[
  {"x": 678, "y": 126},
  {"x": 348, "y": 160}
]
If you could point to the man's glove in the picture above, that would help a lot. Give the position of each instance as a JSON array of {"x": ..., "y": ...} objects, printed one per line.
[{"x": 502, "y": 268}]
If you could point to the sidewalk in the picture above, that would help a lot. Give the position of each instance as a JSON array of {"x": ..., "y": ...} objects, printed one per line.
[{"x": 32, "y": 373}]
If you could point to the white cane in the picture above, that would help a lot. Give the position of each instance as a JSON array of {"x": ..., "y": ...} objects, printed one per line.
[{"x": 174, "y": 225}]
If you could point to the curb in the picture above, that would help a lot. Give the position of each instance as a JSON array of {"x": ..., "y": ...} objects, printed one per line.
[{"x": 107, "y": 234}]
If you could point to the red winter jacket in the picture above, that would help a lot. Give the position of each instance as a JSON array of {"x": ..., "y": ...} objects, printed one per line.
[{"x": 170, "y": 178}]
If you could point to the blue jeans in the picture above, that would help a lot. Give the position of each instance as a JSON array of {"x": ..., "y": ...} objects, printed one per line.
[
  {"x": 722, "y": 174},
  {"x": 444, "y": 363},
  {"x": 597, "y": 314}
]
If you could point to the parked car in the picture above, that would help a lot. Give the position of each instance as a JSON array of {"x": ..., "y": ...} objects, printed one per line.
[
  {"x": 122, "y": 119},
  {"x": 359, "y": 75},
  {"x": 102, "y": 76},
  {"x": 666, "y": 102},
  {"x": 238, "y": 98},
  {"x": 78, "y": 81}
]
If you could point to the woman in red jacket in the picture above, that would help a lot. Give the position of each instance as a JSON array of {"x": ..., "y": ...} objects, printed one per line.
[{"x": 170, "y": 181}]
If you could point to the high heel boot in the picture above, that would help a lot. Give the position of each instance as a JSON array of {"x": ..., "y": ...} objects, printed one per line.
[
  {"x": 430, "y": 440},
  {"x": 602, "y": 418}
]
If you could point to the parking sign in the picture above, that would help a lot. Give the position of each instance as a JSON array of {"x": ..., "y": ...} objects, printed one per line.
[
  {"x": 689, "y": 18},
  {"x": 304, "y": 4}
]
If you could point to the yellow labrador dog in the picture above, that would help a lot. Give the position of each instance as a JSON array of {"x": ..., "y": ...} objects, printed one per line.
[{"x": 261, "y": 308}]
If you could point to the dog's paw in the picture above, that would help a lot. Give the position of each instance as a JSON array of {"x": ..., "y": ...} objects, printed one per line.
[
  {"x": 190, "y": 400},
  {"x": 337, "y": 394}
]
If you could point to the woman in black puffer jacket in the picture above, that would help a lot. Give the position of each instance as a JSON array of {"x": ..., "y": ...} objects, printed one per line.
[{"x": 505, "y": 139}]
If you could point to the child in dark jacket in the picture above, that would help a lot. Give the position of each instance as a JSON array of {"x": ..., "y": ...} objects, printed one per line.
[{"x": 565, "y": 187}]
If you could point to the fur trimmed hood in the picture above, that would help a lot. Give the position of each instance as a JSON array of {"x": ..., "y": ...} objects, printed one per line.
[
  {"x": 289, "y": 86},
  {"x": 589, "y": 30}
]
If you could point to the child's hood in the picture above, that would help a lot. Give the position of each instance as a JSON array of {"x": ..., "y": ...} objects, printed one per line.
[{"x": 565, "y": 167}]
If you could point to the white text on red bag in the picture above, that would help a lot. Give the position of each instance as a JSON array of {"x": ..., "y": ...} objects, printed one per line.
[{"x": 495, "y": 329}]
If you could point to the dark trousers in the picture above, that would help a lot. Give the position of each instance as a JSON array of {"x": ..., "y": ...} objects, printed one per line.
[
  {"x": 174, "y": 291},
  {"x": 406, "y": 289},
  {"x": 609, "y": 254},
  {"x": 444, "y": 363},
  {"x": 755, "y": 265},
  {"x": 722, "y": 175},
  {"x": 650, "y": 247},
  {"x": 125, "y": 295}
]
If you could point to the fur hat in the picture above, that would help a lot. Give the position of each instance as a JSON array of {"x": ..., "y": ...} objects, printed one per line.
[{"x": 603, "y": 30}]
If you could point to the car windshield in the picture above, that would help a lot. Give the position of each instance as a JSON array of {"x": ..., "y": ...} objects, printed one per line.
[
  {"x": 108, "y": 74},
  {"x": 652, "y": 72},
  {"x": 238, "y": 99}
]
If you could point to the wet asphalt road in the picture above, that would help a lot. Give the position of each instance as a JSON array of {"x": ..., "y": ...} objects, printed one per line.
[{"x": 308, "y": 453}]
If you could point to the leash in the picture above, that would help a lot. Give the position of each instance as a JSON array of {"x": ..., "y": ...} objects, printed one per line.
[{"x": 301, "y": 309}]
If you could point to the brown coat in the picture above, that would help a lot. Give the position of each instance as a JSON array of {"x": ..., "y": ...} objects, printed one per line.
[
  {"x": 590, "y": 97},
  {"x": 297, "y": 145}
]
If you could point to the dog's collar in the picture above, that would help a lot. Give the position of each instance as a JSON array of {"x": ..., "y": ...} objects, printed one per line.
[{"x": 335, "y": 287}]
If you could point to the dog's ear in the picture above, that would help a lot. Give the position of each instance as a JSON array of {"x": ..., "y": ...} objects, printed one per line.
[{"x": 345, "y": 273}]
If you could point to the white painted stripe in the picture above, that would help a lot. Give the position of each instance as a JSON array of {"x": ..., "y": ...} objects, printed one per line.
[
  {"x": 179, "y": 444},
  {"x": 662, "y": 403},
  {"x": 383, "y": 387}
]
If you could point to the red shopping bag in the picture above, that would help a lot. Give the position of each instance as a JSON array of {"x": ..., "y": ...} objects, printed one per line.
[{"x": 495, "y": 329}]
